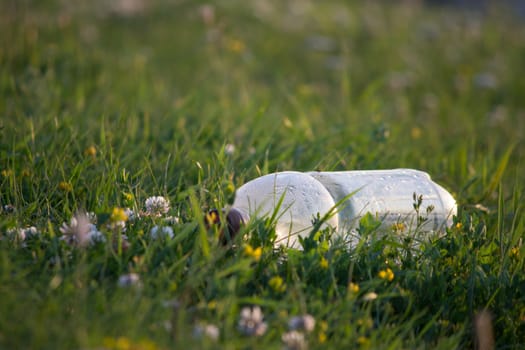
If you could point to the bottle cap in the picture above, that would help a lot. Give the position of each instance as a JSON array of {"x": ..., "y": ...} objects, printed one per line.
[{"x": 235, "y": 219}]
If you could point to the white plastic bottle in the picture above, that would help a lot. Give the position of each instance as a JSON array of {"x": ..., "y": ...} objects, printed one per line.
[{"x": 386, "y": 194}]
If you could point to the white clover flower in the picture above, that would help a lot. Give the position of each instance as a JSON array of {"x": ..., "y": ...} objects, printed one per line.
[
  {"x": 207, "y": 13},
  {"x": 78, "y": 231},
  {"x": 229, "y": 149},
  {"x": 127, "y": 8},
  {"x": 21, "y": 234},
  {"x": 95, "y": 236},
  {"x": 157, "y": 206},
  {"x": 29, "y": 231},
  {"x": 25, "y": 233},
  {"x": 12, "y": 232},
  {"x": 172, "y": 220},
  {"x": 129, "y": 280},
  {"x": 294, "y": 340},
  {"x": 485, "y": 80},
  {"x": 9, "y": 208},
  {"x": 210, "y": 331},
  {"x": 159, "y": 232},
  {"x": 117, "y": 226},
  {"x": 251, "y": 322},
  {"x": 132, "y": 216},
  {"x": 92, "y": 217},
  {"x": 304, "y": 323}
]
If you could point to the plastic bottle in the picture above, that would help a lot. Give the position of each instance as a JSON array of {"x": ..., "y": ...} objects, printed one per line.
[{"x": 297, "y": 198}]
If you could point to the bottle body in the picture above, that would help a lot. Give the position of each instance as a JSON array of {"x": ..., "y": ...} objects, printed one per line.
[
  {"x": 294, "y": 198},
  {"x": 386, "y": 194}
]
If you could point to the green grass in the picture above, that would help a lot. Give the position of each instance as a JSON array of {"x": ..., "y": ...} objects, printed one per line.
[{"x": 292, "y": 85}]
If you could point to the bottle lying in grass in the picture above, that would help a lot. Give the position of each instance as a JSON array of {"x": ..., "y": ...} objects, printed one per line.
[{"x": 401, "y": 199}]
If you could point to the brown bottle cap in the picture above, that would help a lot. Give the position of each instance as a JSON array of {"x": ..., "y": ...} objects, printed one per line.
[{"x": 234, "y": 221}]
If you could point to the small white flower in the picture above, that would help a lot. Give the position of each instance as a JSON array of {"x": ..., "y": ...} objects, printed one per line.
[
  {"x": 167, "y": 325},
  {"x": 129, "y": 280},
  {"x": 132, "y": 216},
  {"x": 485, "y": 81},
  {"x": 161, "y": 232},
  {"x": 251, "y": 322},
  {"x": 229, "y": 149},
  {"x": 95, "y": 236},
  {"x": 206, "y": 330},
  {"x": 25, "y": 233},
  {"x": 117, "y": 226},
  {"x": 370, "y": 296},
  {"x": 172, "y": 220},
  {"x": 294, "y": 340},
  {"x": 92, "y": 217},
  {"x": 207, "y": 13},
  {"x": 12, "y": 232},
  {"x": 9, "y": 209},
  {"x": 21, "y": 234},
  {"x": 78, "y": 230},
  {"x": 128, "y": 8},
  {"x": 305, "y": 323},
  {"x": 157, "y": 206}
]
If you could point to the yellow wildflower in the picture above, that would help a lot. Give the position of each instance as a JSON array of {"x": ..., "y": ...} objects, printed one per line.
[
  {"x": 444, "y": 323},
  {"x": 90, "y": 151},
  {"x": 459, "y": 226},
  {"x": 365, "y": 322},
  {"x": 287, "y": 123},
  {"x": 353, "y": 287},
  {"x": 128, "y": 197},
  {"x": 65, "y": 186},
  {"x": 305, "y": 90},
  {"x": 283, "y": 314},
  {"x": 386, "y": 274},
  {"x": 277, "y": 284},
  {"x": 7, "y": 172},
  {"x": 118, "y": 214},
  {"x": 515, "y": 252},
  {"x": 323, "y": 327},
  {"x": 236, "y": 46},
  {"x": 323, "y": 263},
  {"x": 322, "y": 337},
  {"x": 398, "y": 227},
  {"x": 146, "y": 344},
  {"x": 122, "y": 343},
  {"x": 363, "y": 341},
  {"x": 253, "y": 253},
  {"x": 415, "y": 132},
  {"x": 212, "y": 217},
  {"x": 212, "y": 305}
]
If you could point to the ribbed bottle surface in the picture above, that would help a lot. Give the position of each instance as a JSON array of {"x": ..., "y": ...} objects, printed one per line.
[{"x": 386, "y": 194}]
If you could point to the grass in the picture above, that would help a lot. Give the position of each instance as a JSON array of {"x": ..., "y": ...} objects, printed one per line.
[{"x": 101, "y": 109}]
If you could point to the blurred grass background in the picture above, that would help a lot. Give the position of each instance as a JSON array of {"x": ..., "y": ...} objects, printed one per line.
[{"x": 161, "y": 90}]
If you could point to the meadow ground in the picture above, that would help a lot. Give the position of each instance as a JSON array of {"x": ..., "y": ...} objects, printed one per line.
[{"x": 106, "y": 104}]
